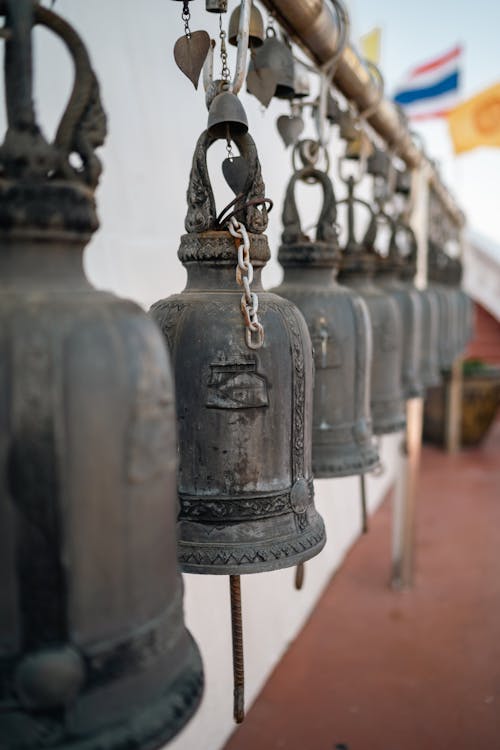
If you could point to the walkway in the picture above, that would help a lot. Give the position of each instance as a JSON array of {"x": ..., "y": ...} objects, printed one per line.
[{"x": 420, "y": 670}]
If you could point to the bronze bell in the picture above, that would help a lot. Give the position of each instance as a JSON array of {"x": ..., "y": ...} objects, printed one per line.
[
  {"x": 256, "y": 31},
  {"x": 226, "y": 116},
  {"x": 244, "y": 414},
  {"x": 387, "y": 271},
  {"x": 94, "y": 650},
  {"x": 244, "y": 398},
  {"x": 356, "y": 271},
  {"x": 448, "y": 314},
  {"x": 275, "y": 59},
  {"x": 339, "y": 325},
  {"x": 429, "y": 365}
]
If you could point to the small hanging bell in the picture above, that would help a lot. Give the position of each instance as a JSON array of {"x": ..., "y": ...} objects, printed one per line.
[
  {"x": 94, "y": 649},
  {"x": 274, "y": 62},
  {"x": 216, "y": 6},
  {"x": 339, "y": 325},
  {"x": 256, "y": 34},
  {"x": 301, "y": 83},
  {"x": 357, "y": 270},
  {"x": 226, "y": 116}
]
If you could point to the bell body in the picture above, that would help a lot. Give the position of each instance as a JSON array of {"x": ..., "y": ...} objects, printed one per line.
[
  {"x": 275, "y": 56},
  {"x": 410, "y": 313},
  {"x": 447, "y": 324},
  {"x": 430, "y": 372},
  {"x": 244, "y": 418},
  {"x": 387, "y": 398},
  {"x": 94, "y": 651},
  {"x": 340, "y": 330}
]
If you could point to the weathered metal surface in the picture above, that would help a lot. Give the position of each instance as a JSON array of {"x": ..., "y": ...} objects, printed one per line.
[
  {"x": 356, "y": 271},
  {"x": 387, "y": 270},
  {"x": 271, "y": 71},
  {"x": 244, "y": 415},
  {"x": 340, "y": 329},
  {"x": 429, "y": 364},
  {"x": 93, "y": 649}
]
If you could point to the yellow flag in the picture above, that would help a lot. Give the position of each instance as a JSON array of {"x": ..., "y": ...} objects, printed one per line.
[
  {"x": 370, "y": 45},
  {"x": 476, "y": 122}
]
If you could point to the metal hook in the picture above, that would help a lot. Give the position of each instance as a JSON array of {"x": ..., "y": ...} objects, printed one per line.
[{"x": 380, "y": 93}]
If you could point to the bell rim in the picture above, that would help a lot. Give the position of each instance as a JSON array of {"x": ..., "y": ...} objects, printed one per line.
[
  {"x": 171, "y": 711},
  {"x": 314, "y": 536},
  {"x": 364, "y": 461}
]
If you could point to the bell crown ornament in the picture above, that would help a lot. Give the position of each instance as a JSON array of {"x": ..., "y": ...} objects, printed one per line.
[
  {"x": 340, "y": 329},
  {"x": 94, "y": 649},
  {"x": 244, "y": 403}
]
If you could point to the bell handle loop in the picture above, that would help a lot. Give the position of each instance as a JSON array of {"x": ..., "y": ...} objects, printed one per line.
[
  {"x": 378, "y": 78},
  {"x": 83, "y": 124},
  {"x": 308, "y": 150},
  {"x": 326, "y": 226},
  {"x": 328, "y": 70},
  {"x": 351, "y": 200},
  {"x": 18, "y": 64},
  {"x": 201, "y": 214},
  {"x": 242, "y": 52}
]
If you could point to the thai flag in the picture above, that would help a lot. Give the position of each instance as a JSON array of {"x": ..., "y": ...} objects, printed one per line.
[{"x": 431, "y": 89}]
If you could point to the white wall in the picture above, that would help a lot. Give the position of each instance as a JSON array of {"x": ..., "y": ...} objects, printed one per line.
[{"x": 155, "y": 117}]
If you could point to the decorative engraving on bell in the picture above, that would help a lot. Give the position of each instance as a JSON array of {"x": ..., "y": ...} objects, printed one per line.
[
  {"x": 226, "y": 116},
  {"x": 94, "y": 651},
  {"x": 387, "y": 271},
  {"x": 340, "y": 329},
  {"x": 356, "y": 271},
  {"x": 274, "y": 62},
  {"x": 244, "y": 415},
  {"x": 256, "y": 34}
]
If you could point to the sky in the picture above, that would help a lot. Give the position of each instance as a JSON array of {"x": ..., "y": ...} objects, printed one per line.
[{"x": 414, "y": 32}]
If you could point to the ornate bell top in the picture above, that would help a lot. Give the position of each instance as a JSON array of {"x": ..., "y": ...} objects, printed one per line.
[
  {"x": 358, "y": 258},
  {"x": 442, "y": 268},
  {"x": 207, "y": 241},
  {"x": 297, "y": 249},
  {"x": 40, "y": 190}
]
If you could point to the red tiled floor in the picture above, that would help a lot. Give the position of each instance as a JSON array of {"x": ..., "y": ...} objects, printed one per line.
[{"x": 375, "y": 669}]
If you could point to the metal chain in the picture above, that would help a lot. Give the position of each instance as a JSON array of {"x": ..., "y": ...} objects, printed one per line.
[
  {"x": 225, "y": 72},
  {"x": 244, "y": 277},
  {"x": 186, "y": 17}
]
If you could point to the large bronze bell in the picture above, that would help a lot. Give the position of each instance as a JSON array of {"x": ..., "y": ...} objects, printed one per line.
[
  {"x": 429, "y": 365},
  {"x": 244, "y": 398},
  {"x": 448, "y": 313},
  {"x": 356, "y": 271},
  {"x": 244, "y": 414},
  {"x": 93, "y": 648},
  {"x": 274, "y": 60},
  {"x": 387, "y": 271},
  {"x": 339, "y": 325}
]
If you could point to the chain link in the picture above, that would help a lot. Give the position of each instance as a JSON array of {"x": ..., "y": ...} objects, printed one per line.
[
  {"x": 186, "y": 17},
  {"x": 254, "y": 334}
]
